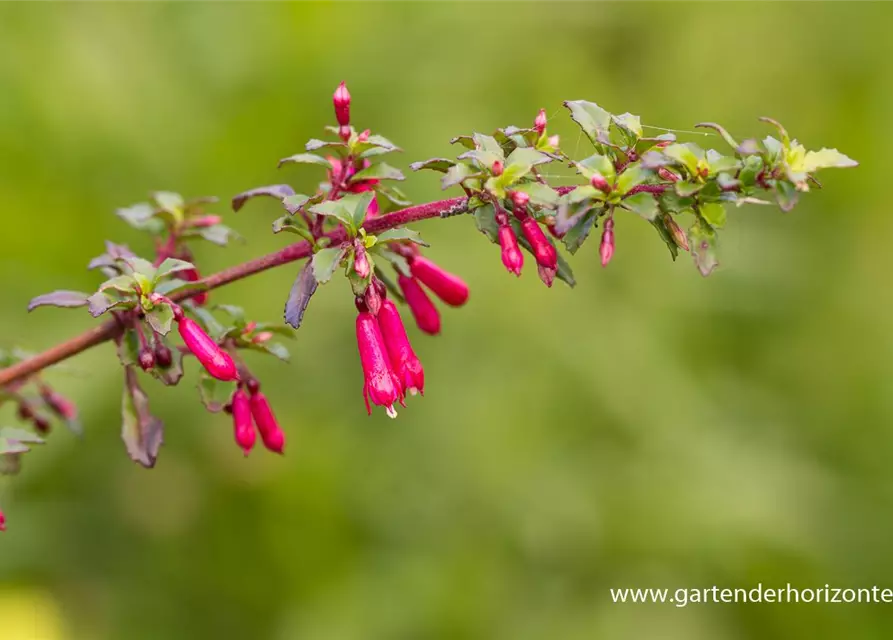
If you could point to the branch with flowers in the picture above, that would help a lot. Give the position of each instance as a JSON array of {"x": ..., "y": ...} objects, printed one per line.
[{"x": 356, "y": 224}]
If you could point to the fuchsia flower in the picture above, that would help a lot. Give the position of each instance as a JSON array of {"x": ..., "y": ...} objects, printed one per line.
[
  {"x": 243, "y": 427},
  {"x": 512, "y": 257},
  {"x": 380, "y": 384},
  {"x": 404, "y": 361},
  {"x": 270, "y": 432},
  {"x": 676, "y": 231},
  {"x": 341, "y": 100},
  {"x": 543, "y": 251},
  {"x": 192, "y": 275},
  {"x": 361, "y": 261},
  {"x": 599, "y": 182},
  {"x": 423, "y": 310},
  {"x": 606, "y": 248},
  {"x": 539, "y": 124},
  {"x": 2, "y": 521},
  {"x": 215, "y": 360},
  {"x": 448, "y": 287}
]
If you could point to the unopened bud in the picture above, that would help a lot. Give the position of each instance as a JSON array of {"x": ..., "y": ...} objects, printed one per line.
[
  {"x": 147, "y": 359},
  {"x": 606, "y": 248},
  {"x": 520, "y": 199},
  {"x": 667, "y": 175},
  {"x": 540, "y": 122},
  {"x": 163, "y": 356},
  {"x": 553, "y": 141},
  {"x": 42, "y": 425},
  {"x": 361, "y": 261},
  {"x": 341, "y": 100},
  {"x": 344, "y": 132},
  {"x": 676, "y": 231},
  {"x": 364, "y": 137},
  {"x": 373, "y": 300},
  {"x": 205, "y": 221},
  {"x": 497, "y": 167},
  {"x": 599, "y": 182}
]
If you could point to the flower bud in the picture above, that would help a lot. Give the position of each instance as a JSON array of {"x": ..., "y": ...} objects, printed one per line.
[
  {"x": 192, "y": 275},
  {"x": 599, "y": 182},
  {"x": 372, "y": 300},
  {"x": 2, "y": 521},
  {"x": 205, "y": 221},
  {"x": 147, "y": 359},
  {"x": 667, "y": 175},
  {"x": 404, "y": 362},
  {"x": 543, "y": 251},
  {"x": 364, "y": 136},
  {"x": 520, "y": 200},
  {"x": 539, "y": 122},
  {"x": 58, "y": 404},
  {"x": 344, "y": 132},
  {"x": 380, "y": 384},
  {"x": 341, "y": 100},
  {"x": 448, "y": 287},
  {"x": 163, "y": 356},
  {"x": 546, "y": 274},
  {"x": 25, "y": 411},
  {"x": 270, "y": 432},
  {"x": 606, "y": 248},
  {"x": 512, "y": 257},
  {"x": 554, "y": 140},
  {"x": 676, "y": 232},
  {"x": 423, "y": 310},
  {"x": 243, "y": 428},
  {"x": 361, "y": 260},
  {"x": 215, "y": 360},
  {"x": 497, "y": 168},
  {"x": 41, "y": 425}
]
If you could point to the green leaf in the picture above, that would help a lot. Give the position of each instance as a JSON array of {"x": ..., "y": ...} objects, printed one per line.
[
  {"x": 160, "y": 318},
  {"x": 597, "y": 163},
  {"x": 14, "y": 441},
  {"x": 541, "y": 195},
  {"x": 435, "y": 164},
  {"x": 99, "y": 303},
  {"x": 213, "y": 393},
  {"x": 718, "y": 163},
  {"x": 397, "y": 261},
  {"x": 378, "y": 171},
  {"x": 287, "y": 223},
  {"x": 313, "y": 144},
  {"x": 565, "y": 273},
  {"x": 577, "y": 234},
  {"x": 175, "y": 285},
  {"x": 714, "y": 213},
  {"x": 304, "y": 158},
  {"x": 274, "y": 349},
  {"x": 140, "y": 266},
  {"x": 169, "y": 201},
  {"x": 666, "y": 236},
  {"x": 642, "y": 204},
  {"x": 465, "y": 141},
  {"x": 219, "y": 234},
  {"x": 826, "y": 159},
  {"x": 485, "y": 219},
  {"x": 630, "y": 125},
  {"x": 123, "y": 284},
  {"x": 688, "y": 155},
  {"x": 774, "y": 150},
  {"x": 359, "y": 203},
  {"x": 172, "y": 265},
  {"x": 214, "y": 328},
  {"x": 336, "y": 209},
  {"x": 401, "y": 233},
  {"x": 592, "y": 119},
  {"x": 142, "y": 432},
  {"x": 294, "y": 202},
  {"x": 633, "y": 175},
  {"x": 685, "y": 189},
  {"x": 392, "y": 194},
  {"x": 326, "y": 261},
  {"x": 702, "y": 239},
  {"x": 786, "y": 195},
  {"x": 488, "y": 144},
  {"x": 455, "y": 175},
  {"x": 61, "y": 298},
  {"x": 141, "y": 216},
  {"x": 525, "y": 158},
  {"x": 375, "y": 145}
]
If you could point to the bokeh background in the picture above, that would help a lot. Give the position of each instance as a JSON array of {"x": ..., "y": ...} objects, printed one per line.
[{"x": 649, "y": 428}]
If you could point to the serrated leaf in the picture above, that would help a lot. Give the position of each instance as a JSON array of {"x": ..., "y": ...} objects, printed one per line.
[
  {"x": 488, "y": 144},
  {"x": 304, "y": 158},
  {"x": 172, "y": 265},
  {"x": 576, "y": 235},
  {"x": 455, "y": 175},
  {"x": 60, "y": 298},
  {"x": 325, "y": 262},
  {"x": 592, "y": 119},
  {"x": 358, "y": 204},
  {"x": 296, "y": 201},
  {"x": 99, "y": 303},
  {"x": 685, "y": 189},
  {"x": 142, "y": 432},
  {"x": 826, "y": 159},
  {"x": 435, "y": 164},
  {"x": 565, "y": 273},
  {"x": 278, "y": 191},
  {"x": 378, "y": 171},
  {"x": 688, "y": 155},
  {"x": 642, "y": 204},
  {"x": 630, "y": 125},
  {"x": 583, "y": 193},
  {"x": 597, "y": 163},
  {"x": 299, "y": 297},
  {"x": 465, "y": 141},
  {"x": 401, "y": 233},
  {"x": 375, "y": 145},
  {"x": 140, "y": 266},
  {"x": 122, "y": 284},
  {"x": 160, "y": 318},
  {"x": 313, "y": 144}
]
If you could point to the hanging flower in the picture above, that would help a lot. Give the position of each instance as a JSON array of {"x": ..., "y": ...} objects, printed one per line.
[
  {"x": 215, "y": 360},
  {"x": 423, "y": 310},
  {"x": 380, "y": 385},
  {"x": 404, "y": 361},
  {"x": 448, "y": 287}
]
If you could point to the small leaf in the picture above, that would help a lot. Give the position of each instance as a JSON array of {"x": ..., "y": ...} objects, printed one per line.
[
  {"x": 99, "y": 303},
  {"x": 278, "y": 191},
  {"x": 456, "y": 175},
  {"x": 485, "y": 219},
  {"x": 721, "y": 131},
  {"x": 142, "y": 432},
  {"x": 593, "y": 120},
  {"x": 786, "y": 195},
  {"x": 122, "y": 284},
  {"x": 358, "y": 204},
  {"x": 397, "y": 261},
  {"x": 435, "y": 164},
  {"x": 287, "y": 223},
  {"x": 633, "y": 175},
  {"x": 160, "y": 318},
  {"x": 336, "y": 209},
  {"x": 61, "y": 298},
  {"x": 465, "y": 141},
  {"x": 140, "y": 266},
  {"x": 630, "y": 125},
  {"x": 141, "y": 216},
  {"x": 219, "y": 234},
  {"x": 375, "y": 145},
  {"x": 214, "y": 328},
  {"x": 326, "y": 261},
  {"x": 274, "y": 349},
  {"x": 541, "y": 195},
  {"x": 295, "y": 202},
  {"x": 577, "y": 234},
  {"x": 169, "y": 201},
  {"x": 304, "y": 158},
  {"x": 688, "y": 155},
  {"x": 703, "y": 247},
  {"x": 172, "y": 265},
  {"x": 175, "y": 285},
  {"x": 825, "y": 159},
  {"x": 685, "y": 189},
  {"x": 213, "y": 393},
  {"x": 714, "y": 213},
  {"x": 313, "y": 144},
  {"x": 401, "y": 233},
  {"x": 642, "y": 204},
  {"x": 597, "y": 163},
  {"x": 378, "y": 171}
]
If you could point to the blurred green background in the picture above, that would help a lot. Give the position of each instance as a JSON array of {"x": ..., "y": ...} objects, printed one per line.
[{"x": 649, "y": 428}]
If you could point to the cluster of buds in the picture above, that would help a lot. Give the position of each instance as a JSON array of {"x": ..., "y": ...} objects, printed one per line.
[
  {"x": 391, "y": 369},
  {"x": 543, "y": 250},
  {"x": 252, "y": 413},
  {"x": 29, "y": 409},
  {"x": 450, "y": 288}
]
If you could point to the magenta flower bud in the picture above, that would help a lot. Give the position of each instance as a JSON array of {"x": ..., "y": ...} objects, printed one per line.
[
  {"x": 344, "y": 132},
  {"x": 554, "y": 140},
  {"x": 380, "y": 384},
  {"x": 543, "y": 251},
  {"x": 215, "y": 360},
  {"x": 667, "y": 175},
  {"x": 361, "y": 261},
  {"x": 2, "y": 521},
  {"x": 163, "y": 356},
  {"x": 147, "y": 359},
  {"x": 341, "y": 100},
  {"x": 497, "y": 168},
  {"x": 540, "y": 122},
  {"x": 520, "y": 199},
  {"x": 599, "y": 182},
  {"x": 676, "y": 231},
  {"x": 192, "y": 275},
  {"x": 41, "y": 425},
  {"x": 364, "y": 136},
  {"x": 512, "y": 257},
  {"x": 606, "y": 248},
  {"x": 371, "y": 300},
  {"x": 546, "y": 274},
  {"x": 243, "y": 428},
  {"x": 205, "y": 221},
  {"x": 270, "y": 432},
  {"x": 59, "y": 404},
  {"x": 423, "y": 310},
  {"x": 404, "y": 362},
  {"x": 448, "y": 287}
]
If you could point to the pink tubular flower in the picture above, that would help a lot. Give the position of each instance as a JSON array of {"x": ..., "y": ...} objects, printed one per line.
[
  {"x": 423, "y": 310},
  {"x": 540, "y": 122},
  {"x": 380, "y": 385},
  {"x": 215, "y": 360},
  {"x": 270, "y": 432},
  {"x": 59, "y": 404},
  {"x": 543, "y": 250},
  {"x": 448, "y": 287},
  {"x": 243, "y": 427},
  {"x": 512, "y": 257},
  {"x": 404, "y": 361},
  {"x": 606, "y": 248},
  {"x": 341, "y": 100}
]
